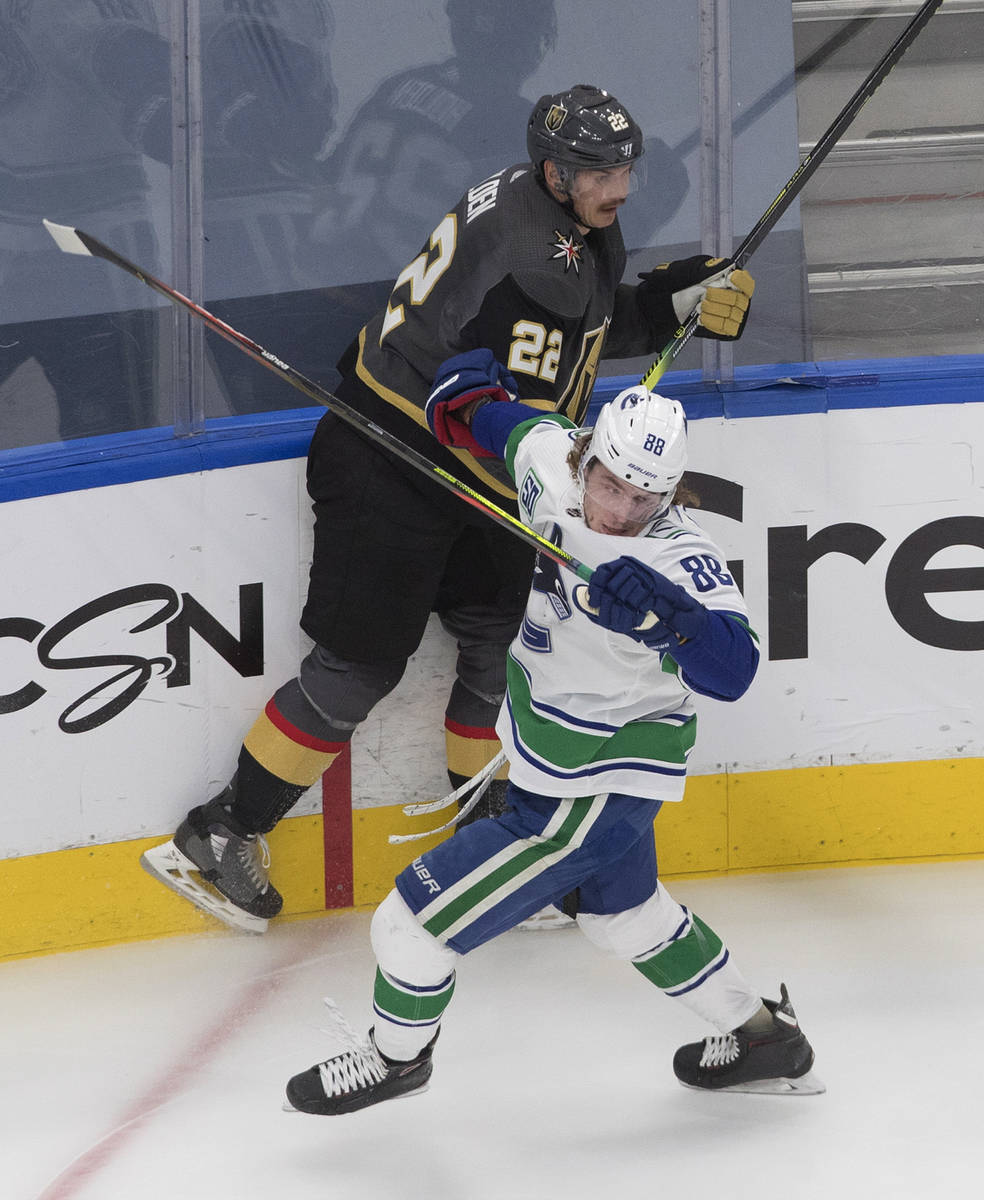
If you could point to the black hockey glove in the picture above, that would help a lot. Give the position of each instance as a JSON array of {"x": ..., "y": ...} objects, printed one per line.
[
  {"x": 474, "y": 375},
  {"x": 673, "y": 290},
  {"x": 625, "y": 592}
]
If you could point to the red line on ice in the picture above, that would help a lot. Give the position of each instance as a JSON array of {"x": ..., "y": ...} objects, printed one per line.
[{"x": 170, "y": 1084}]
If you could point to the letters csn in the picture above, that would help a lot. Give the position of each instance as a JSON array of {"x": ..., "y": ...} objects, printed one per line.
[
  {"x": 179, "y": 613},
  {"x": 791, "y": 551}
]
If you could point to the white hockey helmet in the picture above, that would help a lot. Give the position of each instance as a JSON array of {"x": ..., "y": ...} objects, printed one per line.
[{"x": 640, "y": 437}]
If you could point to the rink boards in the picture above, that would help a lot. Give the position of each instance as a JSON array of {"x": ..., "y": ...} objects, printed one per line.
[{"x": 146, "y": 620}]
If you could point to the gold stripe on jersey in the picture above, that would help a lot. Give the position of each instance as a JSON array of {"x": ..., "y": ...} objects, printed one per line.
[{"x": 574, "y": 401}]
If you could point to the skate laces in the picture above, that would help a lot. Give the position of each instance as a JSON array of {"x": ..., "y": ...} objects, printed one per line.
[
  {"x": 252, "y": 853},
  {"x": 257, "y": 865},
  {"x": 360, "y": 1065},
  {"x": 352, "y": 1070},
  {"x": 720, "y": 1050}
]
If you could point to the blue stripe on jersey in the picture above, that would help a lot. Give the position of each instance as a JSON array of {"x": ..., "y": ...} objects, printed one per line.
[
  {"x": 562, "y": 717},
  {"x": 566, "y": 718},
  {"x": 588, "y": 770}
]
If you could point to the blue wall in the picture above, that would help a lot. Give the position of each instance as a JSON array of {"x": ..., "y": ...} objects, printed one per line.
[{"x": 226, "y": 442}]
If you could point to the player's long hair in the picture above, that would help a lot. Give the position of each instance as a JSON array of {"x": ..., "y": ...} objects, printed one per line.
[{"x": 684, "y": 493}]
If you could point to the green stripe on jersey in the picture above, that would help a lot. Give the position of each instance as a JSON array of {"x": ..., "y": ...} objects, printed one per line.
[
  {"x": 684, "y": 959},
  {"x": 650, "y": 741},
  {"x": 744, "y": 624},
  {"x": 407, "y": 1005},
  {"x": 517, "y": 435},
  {"x": 484, "y": 887}
]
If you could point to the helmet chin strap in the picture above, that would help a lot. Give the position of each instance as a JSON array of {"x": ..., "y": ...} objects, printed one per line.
[
  {"x": 568, "y": 206},
  {"x": 565, "y": 179}
]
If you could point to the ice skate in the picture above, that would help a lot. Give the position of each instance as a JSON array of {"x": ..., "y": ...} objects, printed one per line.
[
  {"x": 222, "y": 872},
  {"x": 357, "y": 1078},
  {"x": 777, "y": 1061}
]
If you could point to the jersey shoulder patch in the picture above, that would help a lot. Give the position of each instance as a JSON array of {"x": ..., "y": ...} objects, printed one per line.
[{"x": 538, "y": 461}]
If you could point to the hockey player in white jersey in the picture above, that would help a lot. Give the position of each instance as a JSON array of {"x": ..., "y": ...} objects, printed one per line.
[{"x": 597, "y": 725}]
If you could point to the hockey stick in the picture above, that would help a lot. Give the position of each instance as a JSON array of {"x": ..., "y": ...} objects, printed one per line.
[
  {"x": 799, "y": 178},
  {"x": 484, "y": 776},
  {"x": 483, "y": 779},
  {"x": 782, "y": 87},
  {"x": 74, "y": 241}
]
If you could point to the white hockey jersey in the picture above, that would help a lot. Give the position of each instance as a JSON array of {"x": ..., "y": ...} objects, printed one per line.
[{"x": 587, "y": 710}]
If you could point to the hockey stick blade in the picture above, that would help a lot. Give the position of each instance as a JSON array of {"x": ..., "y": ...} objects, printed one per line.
[
  {"x": 66, "y": 238},
  {"x": 799, "y": 178},
  {"x": 429, "y": 806},
  {"x": 397, "y": 839}
]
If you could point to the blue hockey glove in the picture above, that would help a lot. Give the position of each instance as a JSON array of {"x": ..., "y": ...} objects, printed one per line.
[
  {"x": 474, "y": 375},
  {"x": 625, "y": 592}
]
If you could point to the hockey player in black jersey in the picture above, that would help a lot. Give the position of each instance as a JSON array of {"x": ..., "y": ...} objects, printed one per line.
[{"x": 529, "y": 264}]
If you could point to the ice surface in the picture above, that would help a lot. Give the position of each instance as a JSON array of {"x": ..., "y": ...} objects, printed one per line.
[{"x": 156, "y": 1070}]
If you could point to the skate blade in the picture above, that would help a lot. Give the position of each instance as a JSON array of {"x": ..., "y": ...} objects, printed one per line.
[
  {"x": 802, "y": 1085},
  {"x": 174, "y": 869},
  {"x": 289, "y": 1108}
]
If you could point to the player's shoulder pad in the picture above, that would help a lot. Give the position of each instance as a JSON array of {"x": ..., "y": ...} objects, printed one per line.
[
  {"x": 539, "y": 425},
  {"x": 534, "y": 239}
]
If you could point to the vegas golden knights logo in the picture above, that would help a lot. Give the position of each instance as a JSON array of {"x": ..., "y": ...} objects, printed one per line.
[{"x": 555, "y": 117}]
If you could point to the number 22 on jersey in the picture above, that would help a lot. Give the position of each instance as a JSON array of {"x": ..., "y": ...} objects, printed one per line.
[
  {"x": 533, "y": 351},
  {"x": 421, "y": 274}
]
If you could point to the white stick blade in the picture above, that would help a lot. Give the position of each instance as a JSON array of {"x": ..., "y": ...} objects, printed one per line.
[{"x": 65, "y": 237}]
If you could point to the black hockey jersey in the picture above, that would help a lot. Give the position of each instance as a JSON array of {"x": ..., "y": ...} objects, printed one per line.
[{"x": 506, "y": 269}]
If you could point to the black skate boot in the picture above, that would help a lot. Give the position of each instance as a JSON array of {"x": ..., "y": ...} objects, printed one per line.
[
  {"x": 775, "y": 1061},
  {"x": 357, "y": 1078},
  {"x": 213, "y": 862}
]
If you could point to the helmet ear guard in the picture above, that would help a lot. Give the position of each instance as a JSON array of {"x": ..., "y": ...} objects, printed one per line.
[{"x": 641, "y": 437}]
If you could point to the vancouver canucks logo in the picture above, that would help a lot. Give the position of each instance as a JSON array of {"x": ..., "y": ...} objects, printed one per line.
[{"x": 569, "y": 250}]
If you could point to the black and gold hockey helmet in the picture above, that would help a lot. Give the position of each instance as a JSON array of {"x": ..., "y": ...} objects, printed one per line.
[{"x": 582, "y": 128}]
